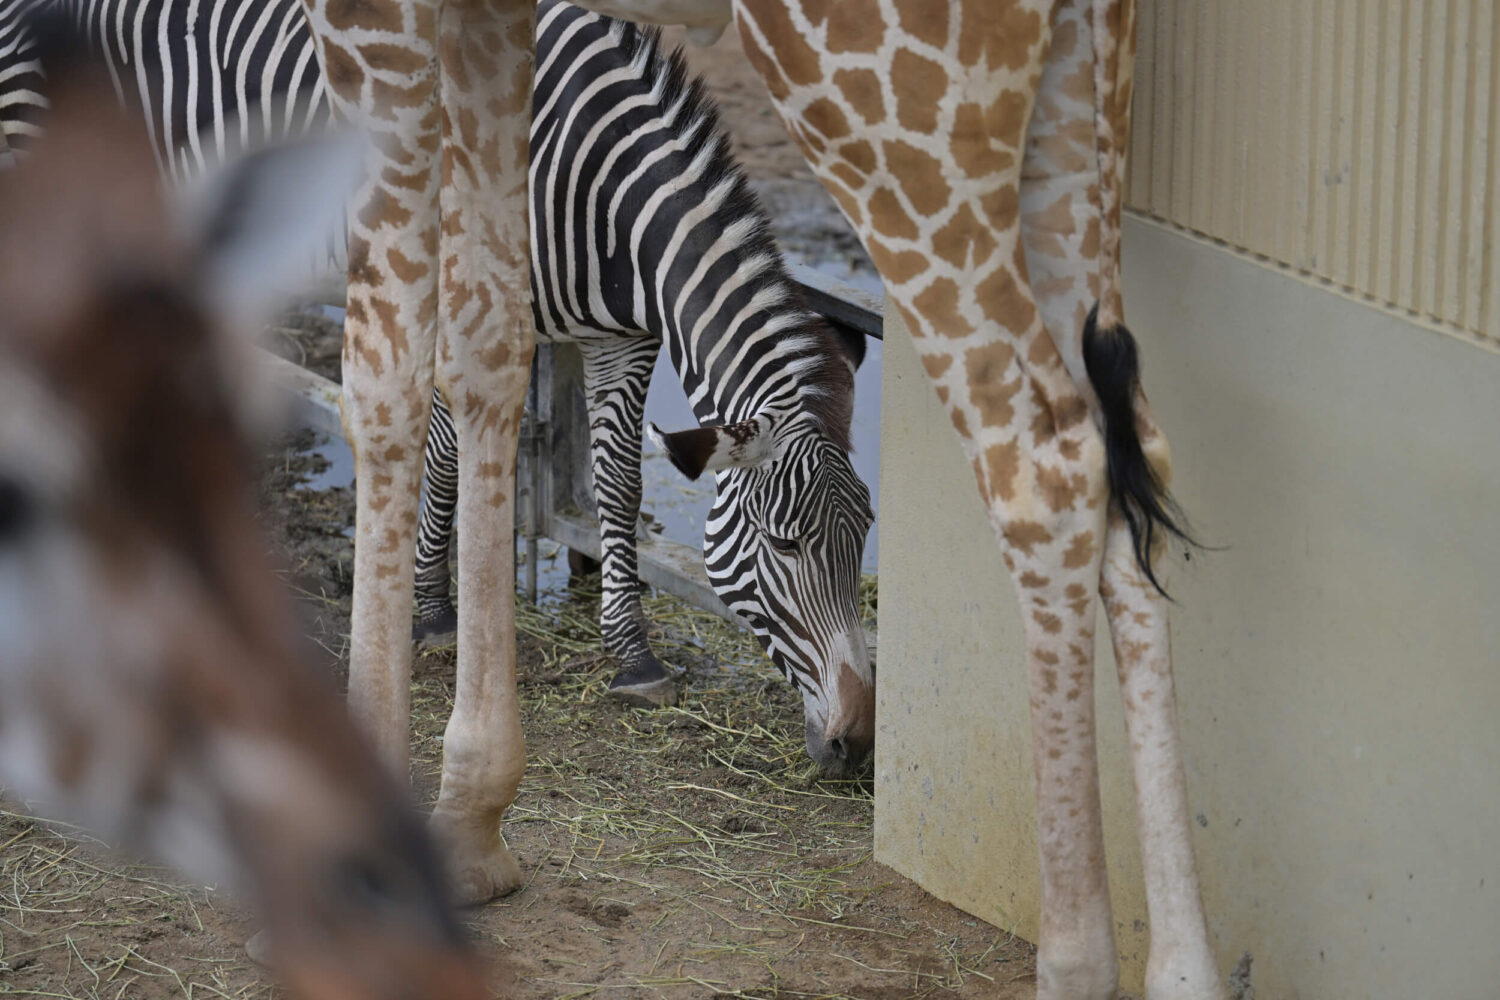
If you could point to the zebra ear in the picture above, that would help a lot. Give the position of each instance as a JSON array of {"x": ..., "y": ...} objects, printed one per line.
[
  {"x": 740, "y": 446},
  {"x": 263, "y": 224}
]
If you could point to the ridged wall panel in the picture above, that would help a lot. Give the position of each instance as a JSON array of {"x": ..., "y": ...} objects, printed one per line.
[{"x": 1354, "y": 140}]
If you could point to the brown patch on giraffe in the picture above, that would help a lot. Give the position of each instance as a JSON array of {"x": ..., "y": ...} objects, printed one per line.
[
  {"x": 343, "y": 72},
  {"x": 383, "y": 210},
  {"x": 406, "y": 270},
  {"x": 955, "y": 416},
  {"x": 1089, "y": 248},
  {"x": 1026, "y": 535},
  {"x": 371, "y": 15},
  {"x": 1059, "y": 489},
  {"x": 859, "y": 155},
  {"x": 991, "y": 385},
  {"x": 973, "y": 149},
  {"x": 938, "y": 304},
  {"x": 919, "y": 84},
  {"x": 851, "y": 177},
  {"x": 942, "y": 394},
  {"x": 964, "y": 241},
  {"x": 936, "y": 364},
  {"x": 1000, "y": 33},
  {"x": 1032, "y": 580},
  {"x": 850, "y": 205},
  {"x": 1001, "y": 208},
  {"x": 1050, "y": 623},
  {"x": 775, "y": 82},
  {"x": 1049, "y": 681},
  {"x": 1005, "y": 301},
  {"x": 790, "y": 52},
  {"x": 811, "y": 144},
  {"x": 897, "y": 267},
  {"x": 854, "y": 26},
  {"x": 1080, "y": 551},
  {"x": 392, "y": 58},
  {"x": 827, "y": 118},
  {"x": 1056, "y": 217},
  {"x": 889, "y": 218},
  {"x": 1008, "y": 116},
  {"x": 1002, "y": 464},
  {"x": 1047, "y": 656},
  {"x": 920, "y": 175},
  {"x": 389, "y": 320},
  {"x": 925, "y": 22},
  {"x": 861, "y": 88}
]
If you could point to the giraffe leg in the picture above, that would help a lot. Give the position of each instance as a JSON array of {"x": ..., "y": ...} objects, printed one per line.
[
  {"x": 436, "y": 616},
  {"x": 483, "y": 361},
  {"x": 387, "y": 356},
  {"x": 616, "y": 375},
  {"x": 1181, "y": 964}
]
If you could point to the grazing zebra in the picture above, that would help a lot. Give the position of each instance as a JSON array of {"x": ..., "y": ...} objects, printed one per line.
[{"x": 644, "y": 233}]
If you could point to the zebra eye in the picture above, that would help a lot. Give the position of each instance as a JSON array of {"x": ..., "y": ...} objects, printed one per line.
[
  {"x": 756, "y": 620},
  {"x": 787, "y": 545}
]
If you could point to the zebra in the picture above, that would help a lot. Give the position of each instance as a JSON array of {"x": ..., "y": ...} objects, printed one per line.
[{"x": 645, "y": 234}]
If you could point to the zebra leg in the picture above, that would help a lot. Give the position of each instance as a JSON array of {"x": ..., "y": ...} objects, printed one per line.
[
  {"x": 436, "y": 616},
  {"x": 616, "y": 375}
]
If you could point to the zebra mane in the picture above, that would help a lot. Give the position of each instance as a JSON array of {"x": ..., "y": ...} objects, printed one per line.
[{"x": 824, "y": 362}]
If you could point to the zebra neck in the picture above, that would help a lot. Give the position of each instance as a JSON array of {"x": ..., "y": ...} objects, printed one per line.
[{"x": 745, "y": 345}]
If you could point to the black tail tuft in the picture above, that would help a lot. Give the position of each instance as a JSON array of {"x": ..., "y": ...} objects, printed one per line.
[{"x": 1114, "y": 370}]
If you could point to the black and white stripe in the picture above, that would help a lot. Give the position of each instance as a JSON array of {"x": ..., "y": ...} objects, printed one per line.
[{"x": 644, "y": 233}]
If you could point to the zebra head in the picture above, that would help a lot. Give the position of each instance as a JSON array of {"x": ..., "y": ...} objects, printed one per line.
[{"x": 783, "y": 546}]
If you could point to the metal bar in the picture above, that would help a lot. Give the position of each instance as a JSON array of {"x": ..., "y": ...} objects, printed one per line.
[{"x": 668, "y": 566}]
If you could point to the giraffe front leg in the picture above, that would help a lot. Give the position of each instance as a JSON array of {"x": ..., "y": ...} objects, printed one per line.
[
  {"x": 617, "y": 374},
  {"x": 484, "y": 753},
  {"x": 1181, "y": 964},
  {"x": 437, "y": 619},
  {"x": 484, "y": 362}
]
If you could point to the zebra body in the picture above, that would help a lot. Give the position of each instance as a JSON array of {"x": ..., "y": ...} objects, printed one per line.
[{"x": 644, "y": 234}]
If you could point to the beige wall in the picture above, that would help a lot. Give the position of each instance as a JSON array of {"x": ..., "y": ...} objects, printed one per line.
[
  {"x": 1338, "y": 662},
  {"x": 1358, "y": 140}
]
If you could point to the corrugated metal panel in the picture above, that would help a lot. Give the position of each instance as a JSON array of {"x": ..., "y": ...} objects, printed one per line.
[{"x": 1355, "y": 140}]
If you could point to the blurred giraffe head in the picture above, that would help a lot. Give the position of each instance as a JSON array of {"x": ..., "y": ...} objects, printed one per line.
[{"x": 153, "y": 682}]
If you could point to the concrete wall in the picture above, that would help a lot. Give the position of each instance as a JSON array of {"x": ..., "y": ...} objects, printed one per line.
[{"x": 1338, "y": 662}]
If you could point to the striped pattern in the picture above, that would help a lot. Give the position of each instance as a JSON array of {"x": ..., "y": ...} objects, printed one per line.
[
  {"x": 1354, "y": 140},
  {"x": 644, "y": 232}
]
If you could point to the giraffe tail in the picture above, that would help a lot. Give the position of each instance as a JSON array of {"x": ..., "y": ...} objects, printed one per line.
[
  {"x": 1109, "y": 349},
  {"x": 1139, "y": 493}
]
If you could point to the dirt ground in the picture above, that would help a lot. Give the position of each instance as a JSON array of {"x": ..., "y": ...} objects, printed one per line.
[{"x": 689, "y": 852}]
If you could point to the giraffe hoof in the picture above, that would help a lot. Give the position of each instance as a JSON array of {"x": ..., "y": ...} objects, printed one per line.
[
  {"x": 259, "y": 949},
  {"x": 438, "y": 628},
  {"x": 481, "y": 867}
]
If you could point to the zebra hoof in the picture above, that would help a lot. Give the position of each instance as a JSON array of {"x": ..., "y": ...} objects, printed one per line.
[
  {"x": 436, "y": 629},
  {"x": 648, "y": 685}
]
